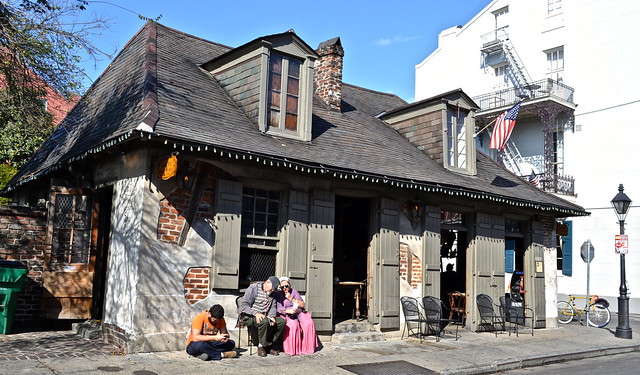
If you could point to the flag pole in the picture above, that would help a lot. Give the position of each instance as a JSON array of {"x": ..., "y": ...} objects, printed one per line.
[{"x": 481, "y": 130}]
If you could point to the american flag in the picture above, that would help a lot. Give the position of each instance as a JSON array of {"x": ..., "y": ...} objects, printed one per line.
[
  {"x": 503, "y": 127},
  {"x": 534, "y": 179}
]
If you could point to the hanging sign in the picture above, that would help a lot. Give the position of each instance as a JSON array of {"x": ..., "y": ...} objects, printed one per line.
[{"x": 622, "y": 244}]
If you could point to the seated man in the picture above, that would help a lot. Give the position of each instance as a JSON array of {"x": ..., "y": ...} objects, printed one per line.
[
  {"x": 208, "y": 337},
  {"x": 257, "y": 308}
]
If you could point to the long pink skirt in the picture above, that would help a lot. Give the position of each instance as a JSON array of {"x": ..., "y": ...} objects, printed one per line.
[{"x": 300, "y": 335}]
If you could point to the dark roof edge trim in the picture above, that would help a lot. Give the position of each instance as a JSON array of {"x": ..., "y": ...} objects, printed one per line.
[{"x": 297, "y": 165}]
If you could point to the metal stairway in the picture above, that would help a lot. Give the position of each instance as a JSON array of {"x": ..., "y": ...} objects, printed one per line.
[
  {"x": 512, "y": 158},
  {"x": 518, "y": 73}
]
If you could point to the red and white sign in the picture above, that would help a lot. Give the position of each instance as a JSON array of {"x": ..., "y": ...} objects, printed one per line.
[{"x": 622, "y": 244}]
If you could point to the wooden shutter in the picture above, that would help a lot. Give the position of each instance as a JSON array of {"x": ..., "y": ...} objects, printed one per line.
[
  {"x": 534, "y": 274},
  {"x": 388, "y": 264},
  {"x": 320, "y": 272},
  {"x": 226, "y": 250},
  {"x": 297, "y": 240},
  {"x": 567, "y": 250},
  {"x": 431, "y": 251},
  {"x": 486, "y": 260}
]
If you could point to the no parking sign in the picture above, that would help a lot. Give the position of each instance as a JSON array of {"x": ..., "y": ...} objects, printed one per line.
[{"x": 622, "y": 244}]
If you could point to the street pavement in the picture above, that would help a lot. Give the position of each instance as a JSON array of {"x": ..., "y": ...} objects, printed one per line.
[{"x": 63, "y": 352}]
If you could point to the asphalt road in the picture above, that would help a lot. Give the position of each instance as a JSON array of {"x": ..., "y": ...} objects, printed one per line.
[{"x": 621, "y": 364}]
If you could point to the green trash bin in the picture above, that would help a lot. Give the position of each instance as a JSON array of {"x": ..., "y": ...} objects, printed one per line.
[{"x": 13, "y": 275}]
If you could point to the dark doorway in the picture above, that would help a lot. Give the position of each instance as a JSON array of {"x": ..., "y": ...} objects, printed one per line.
[
  {"x": 351, "y": 244},
  {"x": 104, "y": 197},
  {"x": 453, "y": 254}
]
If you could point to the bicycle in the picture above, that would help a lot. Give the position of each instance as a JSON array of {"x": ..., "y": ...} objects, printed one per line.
[{"x": 599, "y": 314}]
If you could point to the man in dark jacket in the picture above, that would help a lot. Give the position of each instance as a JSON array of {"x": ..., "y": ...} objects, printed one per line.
[{"x": 257, "y": 308}]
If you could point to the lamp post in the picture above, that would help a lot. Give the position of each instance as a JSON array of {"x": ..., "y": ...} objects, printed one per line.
[{"x": 621, "y": 204}]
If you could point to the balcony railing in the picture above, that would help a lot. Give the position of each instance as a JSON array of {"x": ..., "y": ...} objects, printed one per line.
[
  {"x": 557, "y": 183},
  {"x": 535, "y": 90}
]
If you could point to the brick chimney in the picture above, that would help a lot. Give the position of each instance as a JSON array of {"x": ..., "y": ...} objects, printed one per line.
[{"x": 327, "y": 76}]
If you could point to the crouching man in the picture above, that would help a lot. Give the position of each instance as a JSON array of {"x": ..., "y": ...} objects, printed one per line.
[{"x": 208, "y": 337}]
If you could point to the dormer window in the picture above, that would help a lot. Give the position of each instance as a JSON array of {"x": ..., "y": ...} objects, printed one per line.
[
  {"x": 284, "y": 92},
  {"x": 271, "y": 80},
  {"x": 459, "y": 146}
]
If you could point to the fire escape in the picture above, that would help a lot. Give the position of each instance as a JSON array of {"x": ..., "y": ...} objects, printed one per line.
[{"x": 545, "y": 99}]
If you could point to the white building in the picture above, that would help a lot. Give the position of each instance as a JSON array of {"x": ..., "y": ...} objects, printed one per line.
[{"x": 576, "y": 64}]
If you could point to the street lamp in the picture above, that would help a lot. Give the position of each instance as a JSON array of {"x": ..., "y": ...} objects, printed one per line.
[{"x": 621, "y": 204}]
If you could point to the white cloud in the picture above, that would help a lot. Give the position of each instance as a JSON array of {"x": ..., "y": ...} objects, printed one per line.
[{"x": 383, "y": 42}]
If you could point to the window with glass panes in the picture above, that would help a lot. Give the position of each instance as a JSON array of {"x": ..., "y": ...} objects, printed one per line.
[
  {"x": 259, "y": 235},
  {"x": 284, "y": 92},
  {"x": 71, "y": 232}
]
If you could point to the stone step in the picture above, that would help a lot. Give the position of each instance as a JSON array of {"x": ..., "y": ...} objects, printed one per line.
[
  {"x": 355, "y": 337},
  {"x": 89, "y": 329},
  {"x": 353, "y": 326}
]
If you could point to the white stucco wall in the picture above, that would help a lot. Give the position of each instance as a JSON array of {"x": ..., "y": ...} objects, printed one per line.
[{"x": 601, "y": 64}]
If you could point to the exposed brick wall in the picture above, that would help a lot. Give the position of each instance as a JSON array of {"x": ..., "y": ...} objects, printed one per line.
[
  {"x": 196, "y": 284},
  {"x": 327, "y": 75},
  {"x": 425, "y": 133},
  {"x": 175, "y": 207},
  {"x": 114, "y": 335},
  {"x": 549, "y": 225},
  {"x": 410, "y": 267},
  {"x": 23, "y": 233}
]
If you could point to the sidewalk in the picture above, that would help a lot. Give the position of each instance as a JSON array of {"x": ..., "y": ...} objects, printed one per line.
[{"x": 62, "y": 352}]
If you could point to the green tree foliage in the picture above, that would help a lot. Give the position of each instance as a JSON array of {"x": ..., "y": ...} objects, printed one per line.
[
  {"x": 42, "y": 43},
  {"x": 6, "y": 172}
]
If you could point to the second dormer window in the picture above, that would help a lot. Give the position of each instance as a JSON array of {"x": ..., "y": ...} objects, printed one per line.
[{"x": 284, "y": 92}]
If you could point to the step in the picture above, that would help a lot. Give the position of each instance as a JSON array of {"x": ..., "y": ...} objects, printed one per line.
[
  {"x": 89, "y": 329},
  {"x": 355, "y": 337},
  {"x": 353, "y": 326}
]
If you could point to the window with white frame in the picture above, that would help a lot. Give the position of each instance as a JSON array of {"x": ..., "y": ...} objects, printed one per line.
[
  {"x": 501, "y": 16},
  {"x": 554, "y": 7},
  {"x": 555, "y": 63},
  {"x": 501, "y": 74}
]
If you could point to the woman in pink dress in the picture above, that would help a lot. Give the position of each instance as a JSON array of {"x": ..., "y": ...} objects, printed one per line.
[{"x": 300, "y": 332}]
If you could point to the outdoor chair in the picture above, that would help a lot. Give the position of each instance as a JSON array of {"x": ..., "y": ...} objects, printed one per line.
[
  {"x": 491, "y": 315},
  {"x": 517, "y": 315},
  {"x": 414, "y": 320},
  {"x": 252, "y": 332},
  {"x": 435, "y": 311},
  {"x": 457, "y": 306}
]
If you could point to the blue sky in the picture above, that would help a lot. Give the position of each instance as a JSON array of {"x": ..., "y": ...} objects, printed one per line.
[{"x": 383, "y": 40}]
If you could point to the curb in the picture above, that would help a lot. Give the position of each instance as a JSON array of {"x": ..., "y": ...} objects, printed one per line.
[{"x": 541, "y": 360}]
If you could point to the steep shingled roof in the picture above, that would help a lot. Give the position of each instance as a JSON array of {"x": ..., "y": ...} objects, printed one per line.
[{"x": 157, "y": 80}]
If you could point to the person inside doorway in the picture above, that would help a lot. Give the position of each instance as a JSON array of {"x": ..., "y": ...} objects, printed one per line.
[{"x": 208, "y": 338}]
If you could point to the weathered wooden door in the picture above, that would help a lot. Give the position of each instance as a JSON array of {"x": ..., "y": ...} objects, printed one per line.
[
  {"x": 485, "y": 262},
  {"x": 534, "y": 274},
  {"x": 297, "y": 240},
  {"x": 70, "y": 255},
  {"x": 320, "y": 259},
  {"x": 386, "y": 280},
  {"x": 431, "y": 252},
  {"x": 228, "y": 222}
]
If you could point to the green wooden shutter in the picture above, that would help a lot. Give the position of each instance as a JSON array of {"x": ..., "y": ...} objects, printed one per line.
[
  {"x": 567, "y": 250},
  {"x": 297, "y": 240},
  {"x": 431, "y": 252},
  {"x": 534, "y": 274},
  {"x": 227, "y": 225},
  {"x": 388, "y": 285},
  {"x": 320, "y": 273}
]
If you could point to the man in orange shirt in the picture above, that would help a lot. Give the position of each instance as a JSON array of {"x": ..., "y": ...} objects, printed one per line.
[{"x": 208, "y": 338}]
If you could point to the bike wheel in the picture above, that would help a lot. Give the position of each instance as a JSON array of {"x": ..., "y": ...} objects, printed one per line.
[
  {"x": 599, "y": 316},
  {"x": 565, "y": 312}
]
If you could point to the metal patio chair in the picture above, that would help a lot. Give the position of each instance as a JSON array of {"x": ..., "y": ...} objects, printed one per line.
[{"x": 412, "y": 317}]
